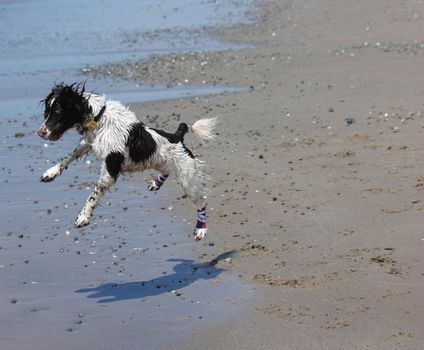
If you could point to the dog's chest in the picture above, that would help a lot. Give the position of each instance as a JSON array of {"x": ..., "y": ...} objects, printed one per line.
[{"x": 106, "y": 140}]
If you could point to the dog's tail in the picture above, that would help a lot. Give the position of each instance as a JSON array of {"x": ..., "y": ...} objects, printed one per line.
[{"x": 203, "y": 128}]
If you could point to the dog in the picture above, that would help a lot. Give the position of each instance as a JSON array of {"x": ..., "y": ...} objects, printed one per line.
[{"x": 123, "y": 144}]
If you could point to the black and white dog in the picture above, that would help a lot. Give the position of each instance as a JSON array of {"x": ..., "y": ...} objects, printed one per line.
[{"x": 123, "y": 144}]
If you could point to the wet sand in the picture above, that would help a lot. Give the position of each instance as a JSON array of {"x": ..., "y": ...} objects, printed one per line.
[{"x": 317, "y": 172}]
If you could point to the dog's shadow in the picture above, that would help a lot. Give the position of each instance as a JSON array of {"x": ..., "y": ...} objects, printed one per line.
[{"x": 185, "y": 273}]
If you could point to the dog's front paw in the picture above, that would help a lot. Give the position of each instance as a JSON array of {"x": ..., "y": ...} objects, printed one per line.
[
  {"x": 199, "y": 233},
  {"x": 82, "y": 220},
  {"x": 51, "y": 173}
]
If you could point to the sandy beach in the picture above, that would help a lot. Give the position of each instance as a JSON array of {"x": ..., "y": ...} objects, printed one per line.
[
  {"x": 317, "y": 172},
  {"x": 316, "y": 205}
]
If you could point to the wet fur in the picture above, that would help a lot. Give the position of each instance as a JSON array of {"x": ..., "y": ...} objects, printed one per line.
[{"x": 123, "y": 144}]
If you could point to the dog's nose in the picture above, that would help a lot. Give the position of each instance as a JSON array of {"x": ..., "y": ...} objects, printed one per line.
[{"x": 42, "y": 132}]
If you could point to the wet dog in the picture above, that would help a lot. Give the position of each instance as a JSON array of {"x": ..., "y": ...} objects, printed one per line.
[{"x": 123, "y": 144}]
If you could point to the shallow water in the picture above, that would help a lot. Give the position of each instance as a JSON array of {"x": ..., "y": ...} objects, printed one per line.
[
  {"x": 46, "y": 41},
  {"x": 134, "y": 275}
]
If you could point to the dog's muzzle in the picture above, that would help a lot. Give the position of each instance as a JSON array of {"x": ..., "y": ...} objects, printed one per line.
[
  {"x": 43, "y": 133},
  {"x": 46, "y": 134}
]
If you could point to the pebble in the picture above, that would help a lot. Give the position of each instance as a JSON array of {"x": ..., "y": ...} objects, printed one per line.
[{"x": 349, "y": 120}]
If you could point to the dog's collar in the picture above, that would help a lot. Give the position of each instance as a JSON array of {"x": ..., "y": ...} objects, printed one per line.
[
  {"x": 99, "y": 115},
  {"x": 92, "y": 123}
]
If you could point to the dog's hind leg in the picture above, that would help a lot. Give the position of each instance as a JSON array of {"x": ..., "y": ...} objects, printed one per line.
[
  {"x": 157, "y": 182},
  {"x": 108, "y": 175},
  {"x": 200, "y": 230},
  {"x": 193, "y": 180}
]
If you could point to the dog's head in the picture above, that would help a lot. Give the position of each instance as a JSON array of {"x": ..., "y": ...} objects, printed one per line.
[{"x": 65, "y": 107}]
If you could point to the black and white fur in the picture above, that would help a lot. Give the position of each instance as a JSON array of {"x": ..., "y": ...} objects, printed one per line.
[{"x": 123, "y": 144}]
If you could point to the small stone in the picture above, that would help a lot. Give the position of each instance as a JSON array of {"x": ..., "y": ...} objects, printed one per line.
[{"x": 349, "y": 120}]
